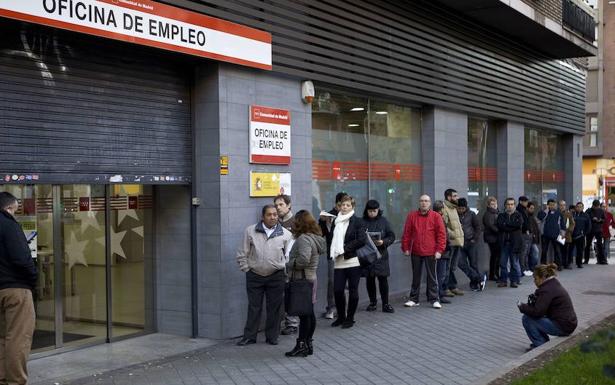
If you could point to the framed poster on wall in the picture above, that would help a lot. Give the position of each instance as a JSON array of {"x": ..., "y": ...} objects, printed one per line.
[{"x": 269, "y": 184}]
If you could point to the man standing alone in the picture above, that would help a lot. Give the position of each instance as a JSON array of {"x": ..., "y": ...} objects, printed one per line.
[
  {"x": 424, "y": 240},
  {"x": 17, "y": 280},
  {"x": 262, "y": 257}
]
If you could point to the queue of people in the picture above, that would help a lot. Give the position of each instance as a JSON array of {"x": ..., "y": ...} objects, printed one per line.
[{"x": 438, "y": 238}]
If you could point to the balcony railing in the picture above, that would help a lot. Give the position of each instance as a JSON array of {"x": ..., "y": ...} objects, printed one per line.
[{"x": 575, "y": 18}]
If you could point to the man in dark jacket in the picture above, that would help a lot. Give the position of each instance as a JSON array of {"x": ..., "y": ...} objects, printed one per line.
[
  {"x": 552, "y": 312},
  {"x": 490, "y": 236},
  {"x": 534, "y": 229},
  {"x": 554, "y": 226},
  {"x": 17, "y": 281},
  {"x": 325, "y": 222},
  {"x": 583, "y": 225},
  {"x": 596, "y": 215},
  {"x": 282, "y": 203},
  {"x": 525, "y": 233},
  {"x": 510, "y": 223},
  {"x": 467, "y": 257}
]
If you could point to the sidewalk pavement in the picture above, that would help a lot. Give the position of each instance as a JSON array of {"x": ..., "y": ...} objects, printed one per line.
[{"x": 458, "y": 344}]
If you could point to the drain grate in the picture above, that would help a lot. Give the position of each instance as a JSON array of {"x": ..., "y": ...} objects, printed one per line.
[{"x": 591, "y": 292}]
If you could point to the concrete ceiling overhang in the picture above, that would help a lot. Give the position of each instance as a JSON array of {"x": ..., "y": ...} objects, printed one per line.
[{"x": 522, "y": 23}]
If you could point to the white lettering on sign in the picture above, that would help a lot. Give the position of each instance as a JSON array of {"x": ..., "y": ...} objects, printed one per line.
[
  {"x": 149, "y": 23},
  {"x": 269, "y": 135}
]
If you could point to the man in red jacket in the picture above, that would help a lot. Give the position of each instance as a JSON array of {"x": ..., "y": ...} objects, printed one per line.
[{"x": 424, "y": 239}]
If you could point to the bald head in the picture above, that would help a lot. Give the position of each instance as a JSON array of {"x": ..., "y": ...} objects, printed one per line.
[{"x": 424, "y": 203}]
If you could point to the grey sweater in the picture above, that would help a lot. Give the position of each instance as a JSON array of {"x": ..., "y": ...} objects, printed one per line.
[
  {"x": 261, "y": 254},
  {"x": 304, "y": 256}
]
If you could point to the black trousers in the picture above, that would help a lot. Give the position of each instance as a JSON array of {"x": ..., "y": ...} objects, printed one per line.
[
  {"x": 599, "y": 247},
  {"x": 566, "y": 256},
  {"x": 432, "y": 281},
  {"x": 352, "y": 276},
  {"x": 307, "y": 325},
  {"x": 272, "y": 288},
  {"x": 578, "y": 245},
  {"x": 494, "y": 260},
  {"x": 383, "y": 285},
  {"x": 557, "y": 255}
]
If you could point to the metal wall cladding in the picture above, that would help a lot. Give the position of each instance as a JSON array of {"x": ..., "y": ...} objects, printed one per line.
[
  {"x": 75, "y": 108},
  {"x": 415, "y": 51}
]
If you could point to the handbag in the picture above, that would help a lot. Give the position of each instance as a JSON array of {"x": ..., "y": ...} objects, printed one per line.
[
  {"x": 298, "y": 296},
  {"x": 369, "y": 253}
]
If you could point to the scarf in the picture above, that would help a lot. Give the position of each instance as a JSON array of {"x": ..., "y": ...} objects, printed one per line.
[{"x": 339, "y": 233}]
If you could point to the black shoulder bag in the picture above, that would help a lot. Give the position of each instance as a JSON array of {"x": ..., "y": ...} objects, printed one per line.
[{"x": 298, "y": 295}]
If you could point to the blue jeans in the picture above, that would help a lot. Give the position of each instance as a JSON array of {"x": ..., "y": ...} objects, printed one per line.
[
  {"x": 467, "y": 263},
  {"x": 539, "y": 329},
  {"x": 508, "y": 256},
  {"x": 442, "y": 271},
  {"x": 451, "y": 282},
  {"x": 534, "y": 256}
]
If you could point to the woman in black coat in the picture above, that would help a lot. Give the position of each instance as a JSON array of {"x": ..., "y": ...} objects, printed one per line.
[
  {"x": 348, "y": 236},
  {"x": 383, "y": 237}
]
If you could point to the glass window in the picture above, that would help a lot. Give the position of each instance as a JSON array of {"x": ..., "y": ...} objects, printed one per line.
[
  {"x": 394, "y": 160},
  {"x": 482, "y": 163},
  {"x": 544, "y": 165},
  {"x": 593, "y": 124},
  {"x": 339, "y": 148},
  {"x": 367, "y": 148}
]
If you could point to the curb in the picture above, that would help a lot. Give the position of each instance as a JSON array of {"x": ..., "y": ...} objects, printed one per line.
[{"x": 532, "y": 354}]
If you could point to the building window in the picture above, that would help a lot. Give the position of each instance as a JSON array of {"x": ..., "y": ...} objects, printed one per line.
[
  {"x": 482, "y": 163},
  {"x": 593, "y": 132},
  {"x": 544, "y": 165},
  {"x": 368, "y": 148}
]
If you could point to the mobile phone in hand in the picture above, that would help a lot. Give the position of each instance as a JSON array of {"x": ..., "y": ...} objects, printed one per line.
[{"x": 31, "y": 236}]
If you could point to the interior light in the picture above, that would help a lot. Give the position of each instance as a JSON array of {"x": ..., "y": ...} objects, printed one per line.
[
  {"x": 381, "y": 112},
  {"x": 353, "y": 125},
  {"x": 357, "y": 109}
]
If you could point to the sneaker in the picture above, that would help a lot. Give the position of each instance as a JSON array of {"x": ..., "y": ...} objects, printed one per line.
[
  {"x": 483, "y": 283},
  {"x": 287, "y": 331},
  {"x": 436, "y": 305},
  {"x": 528, "y": 273},
  {"x": 502, "y": 284},
  {"x": 411, "y": 304},
  {"x": 449, "y": 293},
  {"x": 371, "y": 307},
  {"x": 388, "y": 308},
  {"x": 514, "y": 285},
  {"x": 457, "y": 291},
  {"x": 329, "y": 314},
  {"x": 444, "y": 300}
]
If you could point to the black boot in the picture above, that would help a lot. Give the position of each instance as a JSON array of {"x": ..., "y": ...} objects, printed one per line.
[
  {"x": 300, "y": 350},
  {"x": 310, "y": 346}
]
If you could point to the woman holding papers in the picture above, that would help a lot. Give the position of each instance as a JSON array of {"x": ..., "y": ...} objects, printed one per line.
[{"x": 379, "y": 229}]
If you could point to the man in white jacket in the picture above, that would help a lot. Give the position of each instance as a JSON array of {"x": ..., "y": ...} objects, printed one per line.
[{"x": 262, "y": 256}]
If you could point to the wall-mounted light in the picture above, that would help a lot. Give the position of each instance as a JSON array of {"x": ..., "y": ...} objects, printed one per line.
[
  {"x": 357, "y": 109},
  {"x": 307, "y": 91}
]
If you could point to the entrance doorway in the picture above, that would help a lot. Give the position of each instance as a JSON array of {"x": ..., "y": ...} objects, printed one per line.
[{"x": 93, "y": 252}]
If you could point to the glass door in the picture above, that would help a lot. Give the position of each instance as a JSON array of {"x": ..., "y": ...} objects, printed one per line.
[
  {"x": 84, "y": 290},
  {"x": 93, "y": 252}
]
